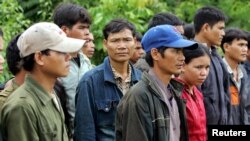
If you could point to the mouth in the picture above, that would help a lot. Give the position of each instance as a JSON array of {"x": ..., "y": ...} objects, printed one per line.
[
  {"x": 122, "y": 54},
  {"x": 179, "y": 66}
]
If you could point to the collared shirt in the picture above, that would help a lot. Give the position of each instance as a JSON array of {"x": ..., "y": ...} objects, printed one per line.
[
  {"x": 123, "y": 85},
  {"x": 240, "y": 74},
  {"x": 30, "y": 114}
]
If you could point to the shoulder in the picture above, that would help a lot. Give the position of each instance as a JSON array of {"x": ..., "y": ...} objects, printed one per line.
[
  {"x": 137, "y": 93},
  {"x": 93, "y": 72}
]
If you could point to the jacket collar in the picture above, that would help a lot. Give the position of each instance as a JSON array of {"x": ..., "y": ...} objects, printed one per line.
[
  {"x": 175, "y": 86},
  {"x": 109, "y": 76}
]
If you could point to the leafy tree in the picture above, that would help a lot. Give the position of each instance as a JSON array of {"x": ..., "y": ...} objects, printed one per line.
[
  {"x": 12, "y": 22},
  {"x": 17, "y": 15}
]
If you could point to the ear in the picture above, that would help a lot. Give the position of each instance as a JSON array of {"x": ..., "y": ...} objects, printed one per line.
[
  {"x": 104, "y": 43},
  {"x": 226, "y": 47},
  {"x": 65, "y": 29},
  {"x": 38, "y": 57},
  {"x": 155, "y": 54},
  {"x": 205, "y": 27}
]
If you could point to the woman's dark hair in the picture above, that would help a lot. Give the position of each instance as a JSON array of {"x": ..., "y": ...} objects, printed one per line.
[{"x": 190, "y": 54}]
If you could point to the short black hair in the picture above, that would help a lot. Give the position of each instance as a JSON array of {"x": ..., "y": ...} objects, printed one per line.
[
  {"x": 117, "y": 25},
  {"x": 232, "y": 34},
  {"x": 164, "y": 18},
  {"x": 13, "y": 56},
  {"x": 67, "y": 14},
  {"x": 149, "y": 58},
  {"x": 248, "y": 39},
  {"x": 189, "y": 31},
  {"x": 207, "y": 14},
  {"x": 138, "y": 36}
]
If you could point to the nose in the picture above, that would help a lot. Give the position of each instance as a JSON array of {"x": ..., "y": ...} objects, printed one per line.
[
  {"x": 121, "y": 45},
  {"x": 68, "y": 57},
  {"x": 204, "y": 71},
  {"x": 223, "y": 32},
  {"x": 245, "y": 48},
  {"x": 182, "y": 57}
]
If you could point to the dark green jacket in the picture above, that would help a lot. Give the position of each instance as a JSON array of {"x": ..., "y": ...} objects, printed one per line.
[
  {"x": 142, "y": 114},
  {"x": 29, "y": 114}
]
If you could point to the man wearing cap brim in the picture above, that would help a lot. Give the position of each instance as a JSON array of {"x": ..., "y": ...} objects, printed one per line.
[
  {"x": 152, "y": 109},
  {"x": 33, "y": 112}
]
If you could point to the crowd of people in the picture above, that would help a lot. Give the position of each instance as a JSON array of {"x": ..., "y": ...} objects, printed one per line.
[{"x": 168, "y": 84}]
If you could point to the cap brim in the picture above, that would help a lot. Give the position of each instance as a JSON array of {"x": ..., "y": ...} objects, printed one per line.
[
  {"x": 69, "y": 45},
  {"x": 182, "y": 43}
]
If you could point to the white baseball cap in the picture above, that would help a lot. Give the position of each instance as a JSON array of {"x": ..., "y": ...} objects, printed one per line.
[{"x": 46, "y": 35}]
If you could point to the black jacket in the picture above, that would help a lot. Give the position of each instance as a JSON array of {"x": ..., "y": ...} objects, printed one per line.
[{"x": 142, "y": 114}]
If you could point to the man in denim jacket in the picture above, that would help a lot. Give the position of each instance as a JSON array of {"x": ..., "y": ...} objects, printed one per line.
[{"x": 100, "y": 89}]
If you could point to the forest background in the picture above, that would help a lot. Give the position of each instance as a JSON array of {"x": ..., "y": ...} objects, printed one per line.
[{"x": 17, "y": 15}]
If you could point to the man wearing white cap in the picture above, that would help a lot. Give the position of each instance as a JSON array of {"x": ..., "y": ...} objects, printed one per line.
[{"x": 33, "y": 112}]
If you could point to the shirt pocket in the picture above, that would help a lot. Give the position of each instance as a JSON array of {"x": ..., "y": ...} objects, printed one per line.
[
  {"x": 106, "y": 112},
  {"x": 49, "y": 136}
]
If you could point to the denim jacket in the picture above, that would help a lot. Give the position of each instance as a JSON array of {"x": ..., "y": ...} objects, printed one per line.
[{"x": 96, "y": 102}]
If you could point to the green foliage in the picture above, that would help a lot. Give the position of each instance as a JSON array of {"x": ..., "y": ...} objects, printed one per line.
[
  {"x": 136, "y": 11},
  {"x": 16, "y": 15},
  {"x": 12, "y": 22}
]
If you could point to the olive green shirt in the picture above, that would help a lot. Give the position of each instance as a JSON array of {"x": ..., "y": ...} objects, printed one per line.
[
  {"x": 29, "y": 114},
  {"x": 7, "y": 92}
]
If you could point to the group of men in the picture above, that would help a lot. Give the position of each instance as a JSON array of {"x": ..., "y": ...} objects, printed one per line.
[{"x": 57, "y": 94}]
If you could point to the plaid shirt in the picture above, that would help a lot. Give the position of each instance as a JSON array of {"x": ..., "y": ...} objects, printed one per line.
[{"x": 123, "y": 85}]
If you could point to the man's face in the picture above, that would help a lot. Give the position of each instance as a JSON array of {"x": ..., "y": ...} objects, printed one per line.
[
  {"x": 78, "y": 31},
  {"x": 172, "y": 62},
  {"x": 1, "y": 57},
  {"x": 89, "y": 47},
  {"x": 237, "y": 50},
  {"x": 56, "y": 63},
  {"x": 138, "y": 52},
  {"x": 120, "y": 45},
  {"x": 215, "y": 34}
]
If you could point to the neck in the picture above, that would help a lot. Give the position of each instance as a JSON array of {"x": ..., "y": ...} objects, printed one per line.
[
  {"x": 46, "y": 81},
  {"x": 19, "y": 78},
  {"x": 121, "y": 68},
  {"x": 232, "y": 63},
  {"x": 188, "y": 85},
  {"x": 202, "y": 39},
  {"x": 165, "y": 78}
]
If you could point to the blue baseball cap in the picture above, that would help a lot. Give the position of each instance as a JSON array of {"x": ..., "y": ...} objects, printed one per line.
[{"x": 164, "y": 36}]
